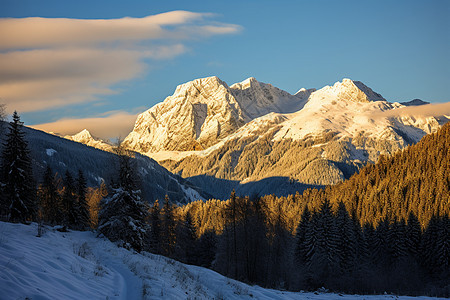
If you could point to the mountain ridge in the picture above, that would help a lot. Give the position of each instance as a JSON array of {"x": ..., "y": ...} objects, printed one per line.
[{"x": 337, "y": 130}]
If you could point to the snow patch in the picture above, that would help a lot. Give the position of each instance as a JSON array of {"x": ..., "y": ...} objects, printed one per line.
[{"x": 50, "y": 152}]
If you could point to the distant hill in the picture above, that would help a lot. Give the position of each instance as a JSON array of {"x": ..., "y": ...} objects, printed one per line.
[
  {"x": 415, "y": 102},
  {"x": 62, "y": 154}
]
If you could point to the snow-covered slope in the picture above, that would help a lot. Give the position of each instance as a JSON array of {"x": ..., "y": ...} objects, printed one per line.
[
  {"x": 257, "y": 99},
  {"x": 86, "y": 138},
  {"x": 203, "y": 111},
  {"x": 77, "y": 265},
  {"x": 350, "y": 108}
]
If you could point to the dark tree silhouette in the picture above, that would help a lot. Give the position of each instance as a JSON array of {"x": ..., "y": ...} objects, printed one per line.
[{"x": 18, "y": 194}]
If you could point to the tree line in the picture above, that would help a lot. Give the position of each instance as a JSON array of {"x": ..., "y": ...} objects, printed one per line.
[{"x": 54, "y": 199}]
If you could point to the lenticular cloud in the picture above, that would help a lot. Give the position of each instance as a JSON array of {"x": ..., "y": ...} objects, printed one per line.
[{"x": 55, "y": 62}]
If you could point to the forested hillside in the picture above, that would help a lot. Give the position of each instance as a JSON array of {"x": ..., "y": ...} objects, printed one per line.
[
  {"x": 414, "y": 180},
  {"x": 385, "y": 229}
]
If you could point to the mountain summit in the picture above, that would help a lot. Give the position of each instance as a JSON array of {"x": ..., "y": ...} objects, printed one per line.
[
  {"x": 347, "y": 90},
  {"x": 202, "y": 112},
  {"x": 85, "y": 137}
]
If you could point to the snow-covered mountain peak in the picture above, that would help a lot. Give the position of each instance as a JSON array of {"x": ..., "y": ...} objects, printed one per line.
[
  {"x": 344, "y": 93},
  {"x": 83, "y": 135},
  {"x": 86, "y": 138},
  {"x": 355, "y": 91},
  {"x": 207, "y": 83},
  {"x": 199, "y": 113},
  {"x": 245, "y": 84},
  {"x": 348, "y": 90},
  {"x": 304, "y": 93}
]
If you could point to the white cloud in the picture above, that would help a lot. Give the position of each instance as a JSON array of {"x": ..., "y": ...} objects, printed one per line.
[
  {"x": 428, "y": 110},
  {"x": 54, "y": 62},
  {"x": 107, "y": 126}
]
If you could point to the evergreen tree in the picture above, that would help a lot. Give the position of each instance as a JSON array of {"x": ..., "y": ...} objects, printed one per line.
[
  {"x": 397, "y": 242},
  {"x": 207, "y": 248},
  {"x": 381, "y": 253},
  {"x": 186, "y": 240},
  {"x": 50, "y": 199},
  {"x": 154, "y": 236},
  {"x": 302, "y": 228},
  {"x": 300, "y": 249},
  {"x": 123, "y": 215},
  {"x": 83, "y": 219},
  {"x": 168, "y": 227},
  {"x": 413, "y": 236},
  {"x": 69, "y": 205},
  {"x": 347, "y": 242},
  {"x": 322, "y": 259},
  {"x": 18, "y": 194}
]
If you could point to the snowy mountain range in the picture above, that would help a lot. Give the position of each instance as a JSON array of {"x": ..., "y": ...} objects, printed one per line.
[
  {"x": 204, "y": 111},
  {"x": 251, "y": 131}
]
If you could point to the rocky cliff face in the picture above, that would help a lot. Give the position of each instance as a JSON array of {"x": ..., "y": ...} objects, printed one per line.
[
  {"x": 203, "y": 111},
  {"x": 196, "y": 116}
]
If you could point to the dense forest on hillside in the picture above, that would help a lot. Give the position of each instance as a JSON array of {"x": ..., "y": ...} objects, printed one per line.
[{"x": 414, "y": 180}]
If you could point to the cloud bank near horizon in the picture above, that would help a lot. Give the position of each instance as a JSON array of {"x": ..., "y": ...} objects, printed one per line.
[
  {"x": 111, "y": 125},
  {"x": 427, "y": 110},
  {"x": 55, "y": 62}
]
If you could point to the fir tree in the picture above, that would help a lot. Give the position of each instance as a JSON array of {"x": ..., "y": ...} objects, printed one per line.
[
  {"x": 347, "y": 241},
  {"x": 413, "y": 236},
  {"x": 207, "y": 248},
  {"x": 18, "y": 195},
  {"x": 300, "y": 238},
  {"x": 322, "y": 256},
  {"x": 123, "y": 214},
  {"x": 154, "y": 236},
  {"x": 69, "y": 202},
  {"x": 83, "y": 219},
  {"x": 50, "y": 199},
  {"x": 186, "y": 240},
  {"x": 168, "y": 226}
]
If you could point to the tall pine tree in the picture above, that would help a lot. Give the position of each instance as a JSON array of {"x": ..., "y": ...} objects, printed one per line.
[
  {"x": 49, "y": 198},
  {"x": 18, "y": 195},
  {"x": 69, "y": 202},
  {"x": 83, "y": 217},
  {"x": 154, "y": 235},
  {"x": 123, "y": 215},
  {"x": 168, "y": 227}
]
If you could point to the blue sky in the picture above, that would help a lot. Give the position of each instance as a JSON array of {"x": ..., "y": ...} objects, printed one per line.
[{"x": 398, "y": 48}]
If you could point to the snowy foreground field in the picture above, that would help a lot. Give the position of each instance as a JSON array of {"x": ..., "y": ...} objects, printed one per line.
[{"x": 77, "y": 265}]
